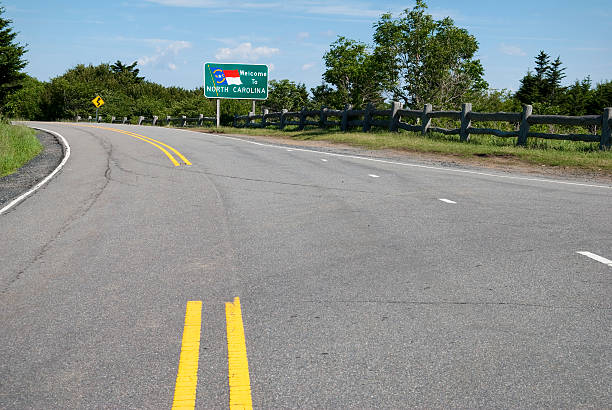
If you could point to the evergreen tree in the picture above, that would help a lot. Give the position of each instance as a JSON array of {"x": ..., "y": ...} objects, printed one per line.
[
  {"x": 542, "y": 65},
  {"x": 529, "y": 91},
  {"x": 11, "y": 60},
  {"x": 554, "y": 77},
  {"x": 129, "y": 71}
]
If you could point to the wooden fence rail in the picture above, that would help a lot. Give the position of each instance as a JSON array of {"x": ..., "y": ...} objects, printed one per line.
[{"x": 369, "y": 117}]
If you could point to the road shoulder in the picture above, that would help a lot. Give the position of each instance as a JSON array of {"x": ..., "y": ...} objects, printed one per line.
[
  {"x": 15, "y": 184},
  {"x": 500, "y": 164}
]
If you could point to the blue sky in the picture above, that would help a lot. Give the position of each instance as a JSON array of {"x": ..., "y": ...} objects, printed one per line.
[{"x": 171, "y": 39}]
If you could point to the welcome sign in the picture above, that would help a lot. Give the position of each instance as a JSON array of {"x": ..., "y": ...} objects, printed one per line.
[{"x": 237, "y": 81}]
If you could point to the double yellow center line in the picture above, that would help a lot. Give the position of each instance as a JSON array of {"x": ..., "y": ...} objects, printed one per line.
[
  {"x": 238, "y": 366},
  {"x": 155, "y": 143}
]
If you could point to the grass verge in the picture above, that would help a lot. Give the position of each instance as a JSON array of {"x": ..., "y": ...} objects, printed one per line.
[
  {"x": 568, "y": 154},
  {"x": 18, "y": 145}
]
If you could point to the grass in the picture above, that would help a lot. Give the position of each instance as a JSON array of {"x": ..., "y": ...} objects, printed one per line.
[
  {"x": 18, "y": 145},
  {"x": 568, "y": 154}
]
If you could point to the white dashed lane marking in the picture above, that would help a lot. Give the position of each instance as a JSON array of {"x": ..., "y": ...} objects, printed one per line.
[
  {"x": 596, "y": 257},
  {"x": 374, "y": 176},
  {"x": 448, "y": 201},
  {"x": 324, "y": 160}
]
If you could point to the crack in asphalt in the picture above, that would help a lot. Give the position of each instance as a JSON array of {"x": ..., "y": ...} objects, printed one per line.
[
  {"x": 108, "y": 148},
  {"x": 300, "y": 185}
]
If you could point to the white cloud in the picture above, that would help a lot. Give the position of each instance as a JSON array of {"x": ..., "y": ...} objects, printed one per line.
[
  {"x": 329, "y": 33},
  {"x": 342, "y": 9},
  {"x": 302, "y": 35},
  {"x": 364, "y": 9},
  {"x": 511, "y": 50},
  {"x": 245, "y": 52},
  {"x": 165, "y": 54},
  {"x": 307, "y": 66}
]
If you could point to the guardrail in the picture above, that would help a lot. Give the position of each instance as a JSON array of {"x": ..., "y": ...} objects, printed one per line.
[{"x": 392, "y": 120}]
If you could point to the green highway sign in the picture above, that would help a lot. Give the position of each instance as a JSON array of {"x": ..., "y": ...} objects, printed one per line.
[{"x": 238, "y": 81}]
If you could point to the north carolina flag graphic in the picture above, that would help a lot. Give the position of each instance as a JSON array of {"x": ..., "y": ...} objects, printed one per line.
[{"x": 226, "y": 77}]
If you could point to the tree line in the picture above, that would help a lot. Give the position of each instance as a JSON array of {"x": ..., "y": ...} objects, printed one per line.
[{"x": 413, "y": 58}]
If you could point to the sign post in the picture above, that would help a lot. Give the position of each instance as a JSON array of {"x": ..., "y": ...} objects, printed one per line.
[{"x": 235, "y": 81}]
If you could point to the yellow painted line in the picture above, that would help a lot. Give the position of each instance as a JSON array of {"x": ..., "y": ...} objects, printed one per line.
[
  {"x": 133, "y": 134},
  {"x": 238, "y": 365},
  {"x": 149, "y": 140},
  {"x": 187, "y": 377}
]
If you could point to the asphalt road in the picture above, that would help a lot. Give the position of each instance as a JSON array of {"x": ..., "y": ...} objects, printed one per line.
[{"x": 359, "y": 287}]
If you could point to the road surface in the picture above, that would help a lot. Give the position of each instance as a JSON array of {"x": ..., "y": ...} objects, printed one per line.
[{"x": 361, "y": 283}]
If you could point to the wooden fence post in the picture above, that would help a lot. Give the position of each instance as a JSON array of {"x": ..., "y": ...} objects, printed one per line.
[
  {"x": 78, "y": 118},
  {"x": 524, "y": 128},
  {"x": 140, "y": 120},
  {"x": 89, "y": 119},
  {"x": 184, "y": 121},
  {"x": 264, "y": 118},
  {"x": 112, "y": 119},
  {"x": 344, "y": 121},
  {"x": 155, "y": 118},
  {"x": 302, "y": 120},
  {"x": 200, "y": 120},
  {"x": 425, "y": 120},
  {"x": 323, "y": 117},
  {"x": 168, "y": 120},
  {"x": 282, "y": 118},
  {"x": 466, "y": 109},
  {"x": 124, "y": 120},
  {"x": 367, "y": 118},
  {"x": 395, "y": 105},
  {"x": 606, "y": 137}
]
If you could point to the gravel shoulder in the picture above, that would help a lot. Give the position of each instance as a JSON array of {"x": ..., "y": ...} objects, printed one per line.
[{"x": 13, "y": 185}]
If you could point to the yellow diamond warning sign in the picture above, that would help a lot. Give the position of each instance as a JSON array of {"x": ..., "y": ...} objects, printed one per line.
[{"x": 98, "y": 101}]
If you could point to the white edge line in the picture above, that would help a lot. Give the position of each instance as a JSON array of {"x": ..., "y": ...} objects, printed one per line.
[
  {"x": 596, "y": 257},
  {"x": 448, "y": 201},
  {"x": 463, "y": 171},
  {"x": 47, "y": 178}
]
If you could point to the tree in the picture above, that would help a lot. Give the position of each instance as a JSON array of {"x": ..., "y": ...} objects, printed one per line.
[
  {"x": 352, "y": 69},
  {"x": 576, "y": 98},
  {"x": 129, "y": 71},
  {"x": 555, "y": 75},
  {"x": 421, "y": 60},
  {"x": 529, "y": 91},
  {"x": 326, "y": 96},
  {"x": 545, "y": 86},
  {"x": 542, "y": 65},
  {"x": 601, "y": 97},
  {"x": 285, "y": 94},
  {"x": 26, "y": 102},
  {"x": 11, "y": 59}
]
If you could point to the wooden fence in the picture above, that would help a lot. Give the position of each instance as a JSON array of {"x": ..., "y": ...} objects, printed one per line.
[
  {"x": 182, "y": 121},
  {"x": 392, "y": 119}
]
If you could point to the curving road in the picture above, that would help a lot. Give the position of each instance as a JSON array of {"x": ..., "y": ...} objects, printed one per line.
[{"x": 362, "y": 283}]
